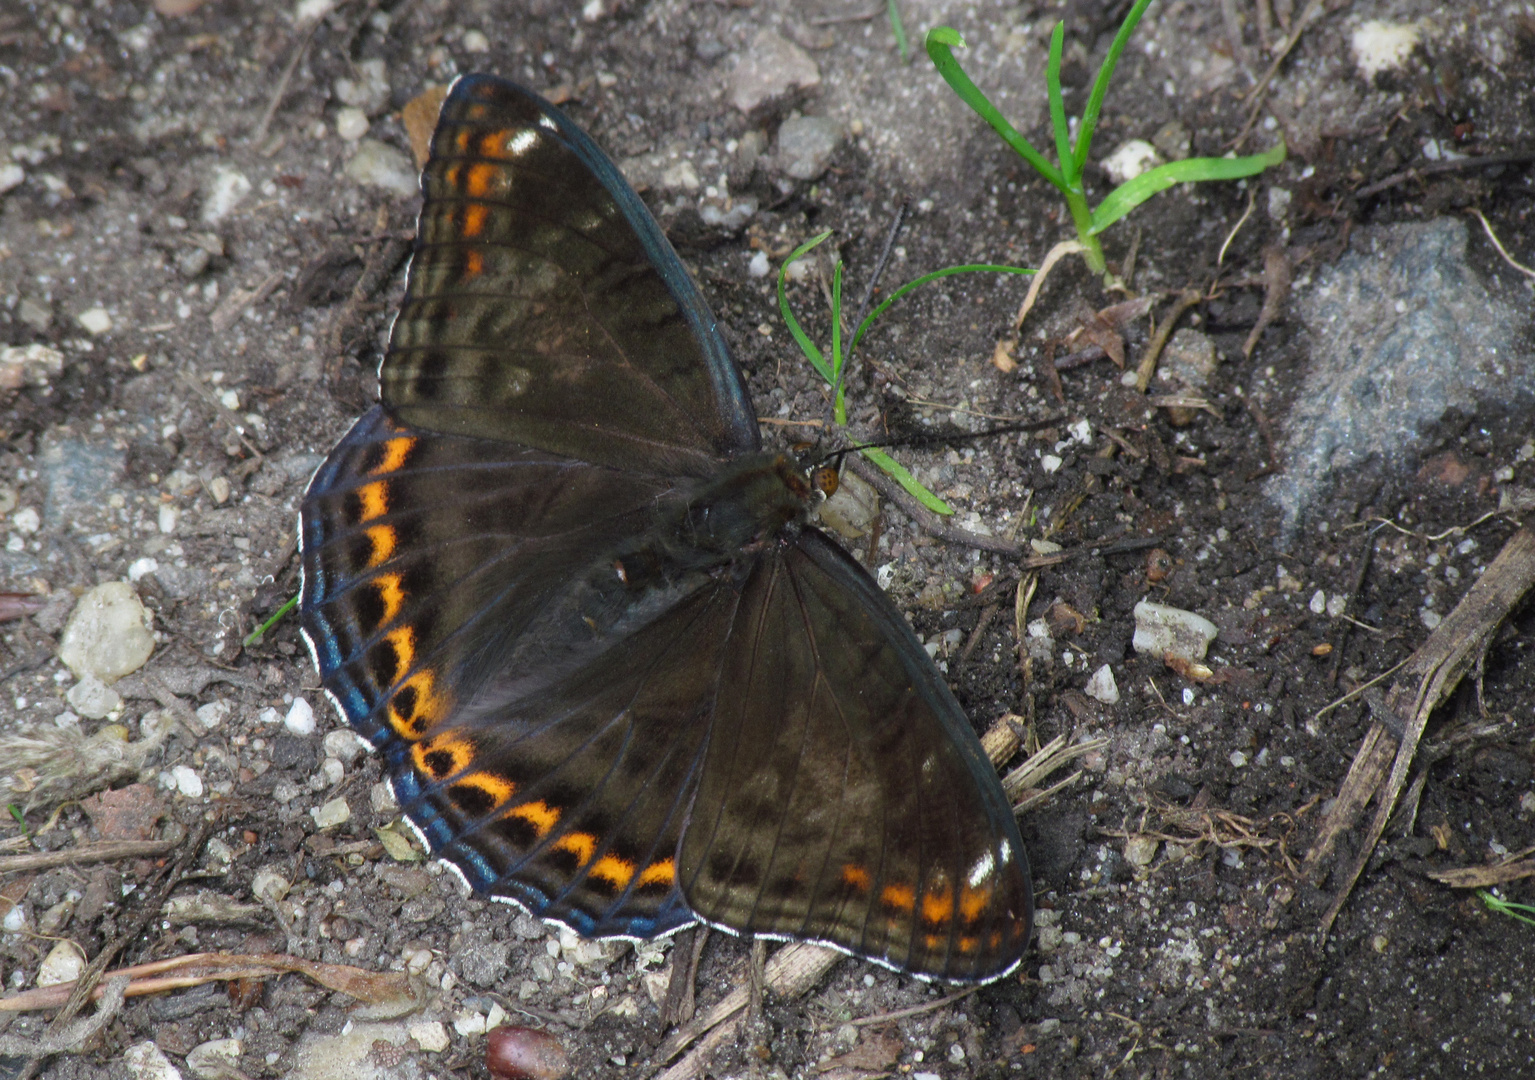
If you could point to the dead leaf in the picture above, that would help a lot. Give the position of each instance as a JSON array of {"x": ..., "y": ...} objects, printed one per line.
[{"x": 420, "y": 118}]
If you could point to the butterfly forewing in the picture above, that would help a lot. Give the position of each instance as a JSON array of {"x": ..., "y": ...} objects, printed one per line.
[
  {"x": 844, "y": 797},
  {"x": 545, "y": 307}
]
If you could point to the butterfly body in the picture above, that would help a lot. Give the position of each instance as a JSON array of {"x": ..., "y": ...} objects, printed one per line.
[{"x": 615, "y": 672}]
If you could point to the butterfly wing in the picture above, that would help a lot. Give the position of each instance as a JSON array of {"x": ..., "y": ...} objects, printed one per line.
[
  {"x": 545, "y": 307},
  {"x": 844, "y": 797}
]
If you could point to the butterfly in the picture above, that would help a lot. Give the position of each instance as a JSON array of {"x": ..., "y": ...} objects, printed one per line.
[{"x": 615, "y": 673}]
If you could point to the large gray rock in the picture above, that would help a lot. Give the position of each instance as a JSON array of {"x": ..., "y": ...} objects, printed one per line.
[{"x": 1402, "y": 330}]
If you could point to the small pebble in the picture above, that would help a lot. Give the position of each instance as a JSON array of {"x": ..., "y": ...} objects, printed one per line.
[
  {"x": 139, "y": 567},
  {"x": 300, "y": 718},
  {"x": 524, "y": 1053},
  {"x": 64, "y": 963},
  {"x": 216, "y": 1059},
  {"x": 351, "y": 123},
  {"x": 269, "y": 885},
  {"x": 188, "y": 782},
  {"x": 430, "y": 1035},
  {"x": 330, "y": 814},
  {"x": 1140, "y": 850},
  {"x": 214, "y": 713},
  {"x": 379, "y": 165},
  {"x": 93, "y": 699},
  {"x": 1102, "y": 687},
  {"x": 95, "y": 321},
  {"x": 475, "y": 42},
  {"x": 146, "y": 1061},
  {"x": 226, "y": 190},
  {"x": 342, "y": 745},
  {"x": 1161, "y": 630},
  {"x": 11, "y": 175}
]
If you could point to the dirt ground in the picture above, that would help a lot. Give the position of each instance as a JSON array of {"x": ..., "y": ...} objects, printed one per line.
[{"x": 203, "y": 263}]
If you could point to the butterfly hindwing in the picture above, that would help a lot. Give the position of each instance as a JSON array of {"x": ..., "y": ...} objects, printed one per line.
[{"x": 844, "y": 797}]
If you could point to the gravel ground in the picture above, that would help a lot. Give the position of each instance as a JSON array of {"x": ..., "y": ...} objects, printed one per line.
[{"x": 197, "y": 269}]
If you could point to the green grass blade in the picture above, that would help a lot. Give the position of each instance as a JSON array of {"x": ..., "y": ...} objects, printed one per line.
[
  {"x": 1071, "y": 173},
  {"x": 893, "y": 13},
  {"x": 838, "y": 361},
  {"x": 1506, "y": 907},
  {"x": 899, "y": 474},
  {"x": 264, "y": 627},
  {"x": 1101, "y": 87},
  {"x": 940, "y": 42},
  {"x": 971, "y": 268},
  {"x": 806, "y": 346},
  {"x": 1132, "y": 193}
]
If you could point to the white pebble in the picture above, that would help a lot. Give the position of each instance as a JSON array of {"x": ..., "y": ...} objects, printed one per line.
[
  {"x": 1318, "y": 602},
  {"x": 1160, "y": 630},
  {"x": 214, "y": 713},
  {"x": 139, "y": 567},
  {"x": 26, "y": 521},
  {"x": 1102, "y": 687},
  {"x": 188, "y": 782},
  {"x": 1238, "y": 759},
  {"x": 64, "y": 963},
  {"x": 170, "y": 517},
  {"x": 216, "y": 1059},
  {"x": 430, "y": 1035},
  {"x": 329, "y": 815},
  {"x": 146, "y": 1061},
  {"x": 95, "y": 321},
  {"x": 476, "y": 42},
  {"x": 300, "y": 718},
  {"x": 351, "y": 123}
]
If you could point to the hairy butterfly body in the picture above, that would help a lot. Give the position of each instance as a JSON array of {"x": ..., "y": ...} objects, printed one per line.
[{"x": 614, "y": 673}]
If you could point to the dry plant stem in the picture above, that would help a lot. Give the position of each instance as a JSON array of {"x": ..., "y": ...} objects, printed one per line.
[
  {"x": 258, "y": 134},
  {"x": 1511, "y": 867},
  {"x": 1487, "y": 227},
  {"x": 1432, "y": 168},
  {"x": 1276, "y": 286},
  {"x": 914, "y": 1010},
  {"x": 1055, "y": 255},
  {"x": 76, "y": 1037},
  {"x": 1148, "y": 365},
  {"x": 1432, "y": 674},
  {"x": 89, "y": 854},
  {"x": 224, "y": 413},
  {"x": 194, "y": 969},
  {"x": 133, "y": 931}
]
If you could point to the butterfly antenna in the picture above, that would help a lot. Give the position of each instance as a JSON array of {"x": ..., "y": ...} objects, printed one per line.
[{"x": 942, "y": 438}]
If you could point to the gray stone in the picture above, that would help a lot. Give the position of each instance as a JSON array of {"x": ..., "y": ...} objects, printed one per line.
[
  {"x": 78, "y": 477},
  {"x": 35, "y": 313},
  {"x": 1402, "y": 330},
  {"x": 380, "y": 165},
  {"x": 482, "y": 961},
  {"x": 806, "y": 145},
  {"x": 771, "y": 67},
  {"x": 192, "y": 261}
]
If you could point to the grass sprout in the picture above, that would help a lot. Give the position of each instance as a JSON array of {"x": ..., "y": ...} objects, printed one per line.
[
  {"x": 1066, "y": 177},
  {"x": 831, "y": 364}
]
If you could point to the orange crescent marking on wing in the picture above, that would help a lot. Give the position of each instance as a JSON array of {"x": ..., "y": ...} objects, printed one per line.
[
  {"x": 856, "y": 876},
  {"x": 493, "y": 144},
  {"x": 969, "y": 943},
  {"x": 396, "y": 451},
  {"x": 390, "y": 595},
  {"x": 481, "y": 179},
  {"x": 661, "y": 872},
  {"x": 900, "y": 897},
  {"x": 539, "y": 814},
  {"x": 460, "y": 753},
  {"x": 583, "y": 845},
  {"x": 973, "y": 903},
  {"x": 375, "y": 501},
  {"x": 429, "y": 705},
  {"x": 404, "y": 641},
  {"x": 474, "y": 219},
  {"x": 610, "y": 868},
  {"x": 499, "y": 788},
  {"x": 461, "y": 140},
  {"x": 474, "y": 263},
  {"x": 383, "y": 538},
  {"x": 938, "y": 906}
]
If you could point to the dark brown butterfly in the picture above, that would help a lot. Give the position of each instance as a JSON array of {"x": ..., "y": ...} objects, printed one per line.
[{"x": 615, "y": 674}]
